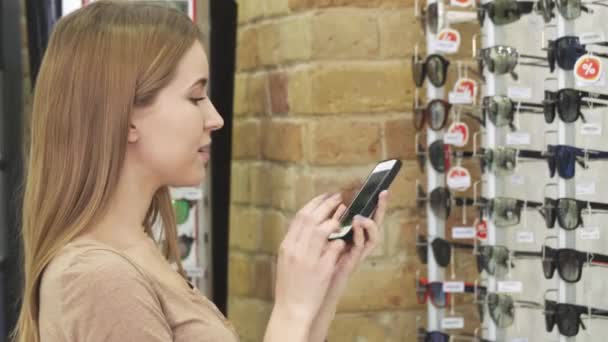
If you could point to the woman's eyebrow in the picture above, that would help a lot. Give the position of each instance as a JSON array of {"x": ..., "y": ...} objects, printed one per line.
[{"x": 202, "y": 81}]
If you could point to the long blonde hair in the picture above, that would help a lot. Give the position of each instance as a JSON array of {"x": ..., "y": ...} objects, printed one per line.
[{"x": 101, "y": 62}]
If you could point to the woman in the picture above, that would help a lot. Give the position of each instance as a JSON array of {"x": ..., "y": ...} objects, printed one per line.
[{"x": 120, "y": 113}]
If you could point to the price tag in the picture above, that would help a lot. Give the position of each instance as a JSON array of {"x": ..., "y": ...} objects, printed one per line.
[
  {"x": 525, "y": 237},
  {"x": 446, "y": 46},
  {"x": 453, "y": 286},
  {"x": 466, "y": 85},
  {"x": 195, "y": 272},
  {"x": 591, "y": 129},
  {"x": 591, "y": 37},
  {"x": 510, "y": 286},
  {"x": 458, "y": 178},
  {"x": 459, "y": 98},
  {"x": 461, "y": 128},
  {"x": 461, "y": 3},
  {"x": 517, "y": 179},
  {"x": 453, "y": 138},
  {"x": 589, "y": 233},
  {"x": 452, "y": 323},
  {"x": 520, "y": 93},
  {"x": 463, "y": 233},
  {"x": 482, "y": 229},
  {"x": 588, "y": 71},
  {"x": 520, "y": 339},
  {"x": 518, "y": 138},
  {"x": 448, "y": 41},
  {"x": 585, "y": 188},
  {"x": 190, "y": 193}
]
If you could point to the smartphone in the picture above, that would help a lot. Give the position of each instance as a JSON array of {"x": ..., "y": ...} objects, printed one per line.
[{"x": 366, "y": 200}]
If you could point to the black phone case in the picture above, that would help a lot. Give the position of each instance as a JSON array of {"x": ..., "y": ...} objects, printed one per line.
[{"x": 370, "y": 206}]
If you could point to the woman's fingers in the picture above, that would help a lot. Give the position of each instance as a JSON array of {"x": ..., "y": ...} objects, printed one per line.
[
  {"x": 324, "y": 210},
  {"x": 372, "y": 232},
  {"x": 339, "y": 212},
  {"x": 382, "y": 205}
]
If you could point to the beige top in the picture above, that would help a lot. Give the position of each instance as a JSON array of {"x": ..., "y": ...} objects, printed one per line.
[{"x": 92, "y": 292}]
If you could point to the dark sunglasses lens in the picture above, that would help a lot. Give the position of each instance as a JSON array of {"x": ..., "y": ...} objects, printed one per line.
[
  {"x": 437, "y": 336},
  {"x": 505, "y": 212},
  {"x": 437, "y": 155},
  {"x": 437, "y": 294},
  {"x": 568, "y": 105},
  {"x": 504, "y": 162},
  {"x": 568, "y": 50},
  {"x": 567, "y": 320},
  {"x": 504, "y": 61},
  {"x": 436, "y": 70},
  {"x": 432, "y": 17},
  {"x": 421, "y": 290},
  {"x": 570, "y": 265},
  {"x": 549, "y": 107},
  {"x": 566, "y": 161},
  {"x": 569, "y": 9},
  {"x": 503, "y": 12},
  {"x": 568, "y": 213},
  {"x": 501, "y": 111},
  {"x": 548, "y": 263},
  {"x": 501, "y": 309},
  {"x": 418, "y": 117},
  {"x": 418, "y": 70},
  {"x": 439, "y": 114},
  {"x": 442, "y": 252},
  {"x": 440, "y": 202},
  {"x": 421, "y": 249},
  {"x": 548, "y": 211},
  {"x": 549, "y": 316}
]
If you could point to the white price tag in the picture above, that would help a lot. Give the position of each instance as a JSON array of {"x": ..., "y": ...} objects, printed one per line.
[
  {"x": 461, "y": 3},
  {"x": 453, "y": 286},
  {"x": 591, "y": 129},
  {"x": 518, "y": 138},
  {"x": 463, "y": 233},
  {"x": 194, "y": 272},
  {"x": 589, "y": 233},
  {"x": 518, "y": 179},
  {"x": 591, "y": 37},
  {"x": 452, "y": 323},
  {"x": 520, "y": 339},
  {"x": 459, "y": 98},
  {"x": 446, "y": 46},
  {"x": 519, "y": 93},
  {"x": 585, "y": 188},
  {"x": 453, "y": 138},
  {"x": 510, "y": 286},
  {"x": 459, "y": 182},
  {"x": 525, "y": 237}
]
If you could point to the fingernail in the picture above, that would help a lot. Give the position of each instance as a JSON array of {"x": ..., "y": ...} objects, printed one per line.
[{"x": 337, "y": 196}]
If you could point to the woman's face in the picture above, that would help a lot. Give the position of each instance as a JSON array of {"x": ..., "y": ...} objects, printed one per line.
[{"x": 166, "y": 137}]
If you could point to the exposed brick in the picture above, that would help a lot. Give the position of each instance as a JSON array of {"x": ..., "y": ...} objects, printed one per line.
[
  {"x": 246, "y": 139},
  {"x": 399, "y": 137},
  {"x": 261, "y": 193},
  {"x": 299, "y": 91},
  {"x": 356, "y": 327},
  {"x": 269, "y": 43},
  {"x": 262, "y": 280},
  {"x": 361, "y": 87},
  {"x": 278, "y": 85},
  {"x": 247, "y": 49},
  {"x": 296, "y": 38},
  {"x": 274, "y": 228},
  {"x": 240, "y": 186},
  {"x": 401, "y": 229},
  {"x": 250, "y": 10},
  {"x": 399, "y": 31},
  {"x": 249, "y": 316},
  {"x": 281, "y": 183},
  {"x": 403, "y": 188},
  {"x": 241, "y": 103},
  {"x": 282, "y": 140},
  {"x": 342, "y": 34},
  {"x": 240, "y": 274},
  {"x": 339, "y": 142},
  {"x": 275, "y": 7},
  {"x": 305, "y": 4},
  {"x": 245, "y": 224},
  {"x": 257, "y": 94}
]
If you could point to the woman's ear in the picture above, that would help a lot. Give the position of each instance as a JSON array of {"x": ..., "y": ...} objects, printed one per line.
[{"x": 133, "y": 135}]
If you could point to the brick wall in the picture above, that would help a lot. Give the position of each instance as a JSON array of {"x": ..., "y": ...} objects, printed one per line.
[{"x": 323, "y": 91}]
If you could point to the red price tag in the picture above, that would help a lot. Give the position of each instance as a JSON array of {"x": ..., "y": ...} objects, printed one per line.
[
  {"x": 588, "y": 69},
  {"x": 466, "y": 85},
  {"x": 449, "y": 35},
  {"x": 462, "y": 128},
  {"x": 482, "y": 229}
]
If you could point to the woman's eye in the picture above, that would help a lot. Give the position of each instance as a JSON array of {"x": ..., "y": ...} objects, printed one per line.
[{"x": 196, "y": 100}]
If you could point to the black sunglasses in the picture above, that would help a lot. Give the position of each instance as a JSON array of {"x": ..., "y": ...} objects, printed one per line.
[
  {"x": 503, "y": 12},
  {"x": 435, "y": 67},
  {"x": 567, "y": 211},
  {"x": 441, "y": 201},
  {"x": 434, "y": 290},
  {"x": 439, "y": 154},
  {"x": 569, "y": 262},
  {"x": 506, "y": 211},
  {"x": 501, "y": 110},
  {"x": 567, "y": 103},
  {"x": 503, "y": 59},
  {"x": 435, "y": 114},
  {"x": 438, "y": 336},
  {"x": 562, "y": 158},
  {"x": 503, "y": 160},
  {"x": 568, "y": 317},
  {"x": 442, "y": 249},
  {"x": 184, "y": 243},
  {"x": 566, "y": 51},
  {"x": 569, "y": 9}
]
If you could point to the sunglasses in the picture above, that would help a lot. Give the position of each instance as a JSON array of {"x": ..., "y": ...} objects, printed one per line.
[
  {"x": 434, "y": 291},
  {"x": 442, "y": 249},
  {"x": 505, "y": 211},
  {"x": 439, "y": 155},
  {"x": 568, "y": 317},
  {"x": 566, "y": 51},
  {"x": 562, "y": 158},
  {"x": 502, "y": 59},
  {"x": 430, "y": 18},
  {"x": 501, "y": 308},
  {"x": 441, "y": 201},
  {"x": 182, "y": 208},
  {"x": 501, "y": 110},
  {"x": 569, "y": 262},
  {"x": 503, "y": 160},
  {"x": 567, "y": 103},
  {"x": 435, "y": 114},
  {"x": 184, "y": 244},
  {"x": 568, "y": 211},
  {"x": 569, "y": 9},
  {"x": 495, "y": 259},
  {"x": 503, "y": 12},
  {"x": 438, "y": 336},
  {"x": 435, "y": 67}
]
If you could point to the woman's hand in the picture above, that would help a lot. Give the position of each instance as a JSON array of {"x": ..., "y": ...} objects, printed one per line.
[
  {"x": 352, "y": 256},
  {"x": 307, "y": 260}
]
